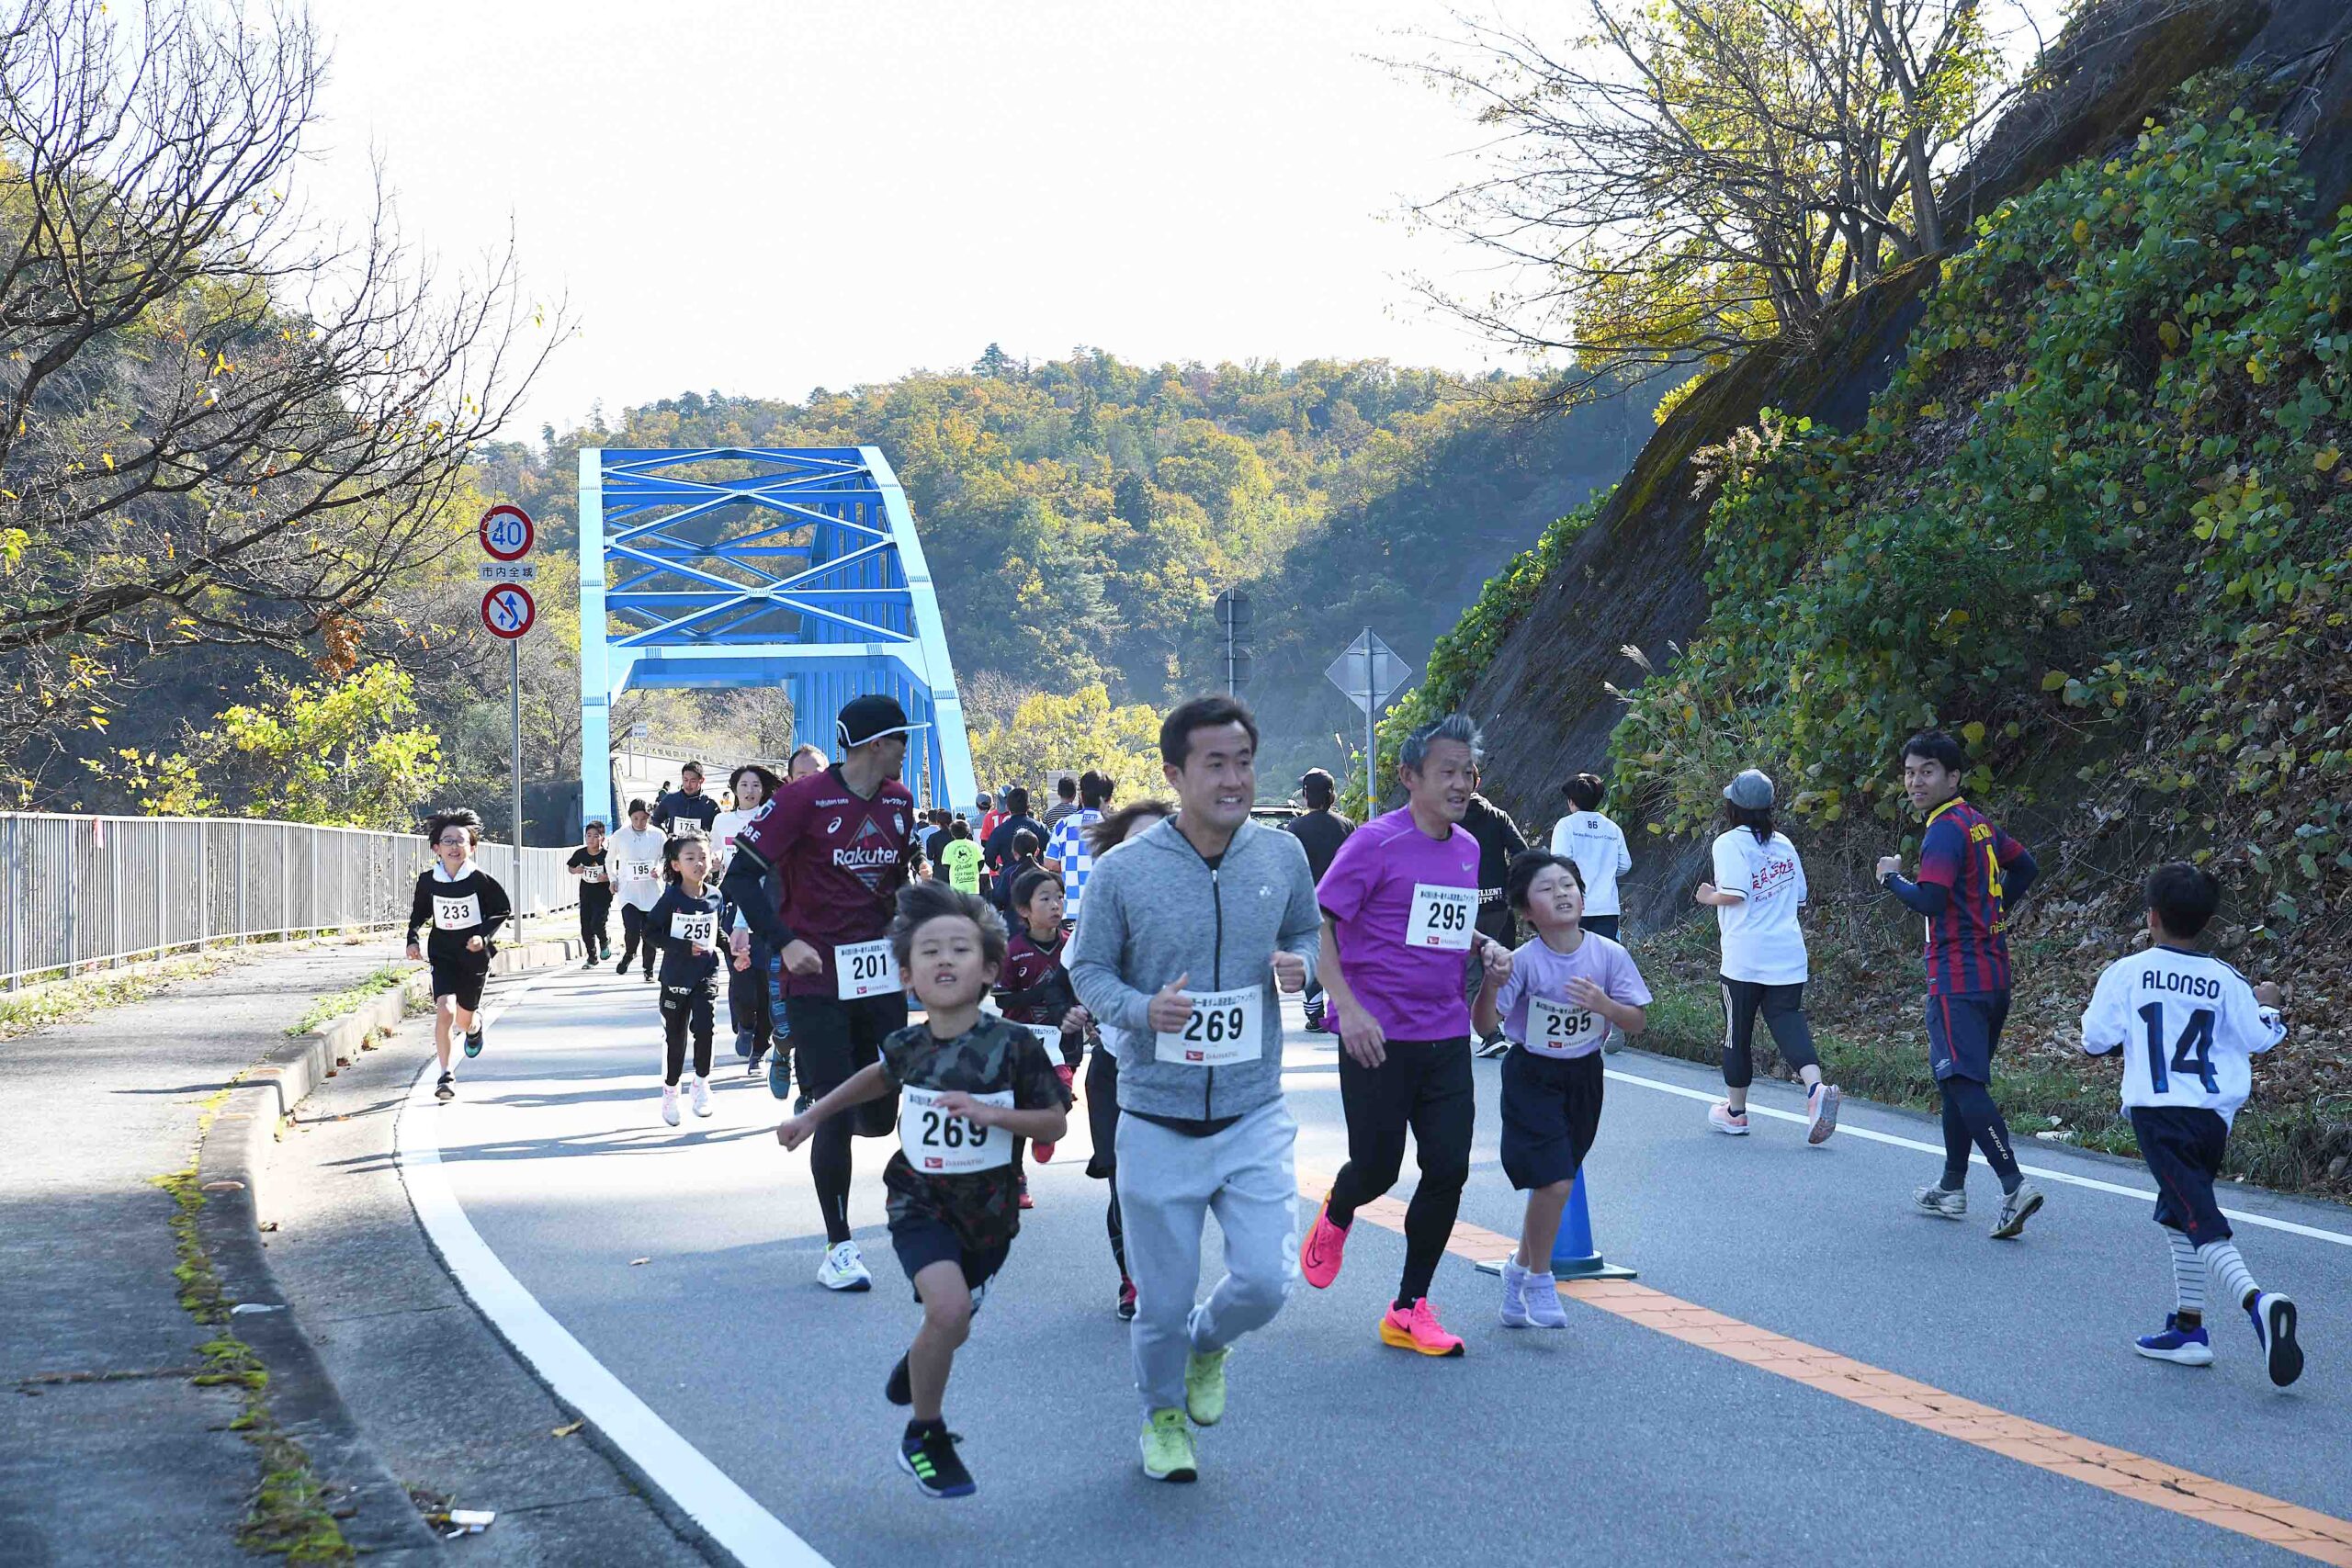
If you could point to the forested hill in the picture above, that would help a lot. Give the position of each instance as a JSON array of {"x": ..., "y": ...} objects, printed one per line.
[{"x": 1081, "y": 514}]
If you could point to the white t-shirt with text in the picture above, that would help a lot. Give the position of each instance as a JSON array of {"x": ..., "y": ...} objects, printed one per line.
[
  {"x": 1598, "y": 846},
  {"x": 2188, "y": 1025},
  {"x": 1761, "y": 938}
]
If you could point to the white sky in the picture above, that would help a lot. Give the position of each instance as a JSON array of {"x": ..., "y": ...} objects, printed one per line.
[{"x": 766, "y": 196}]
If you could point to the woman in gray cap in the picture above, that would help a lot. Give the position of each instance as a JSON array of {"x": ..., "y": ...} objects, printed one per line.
[{"x": 1758, "y": 888}]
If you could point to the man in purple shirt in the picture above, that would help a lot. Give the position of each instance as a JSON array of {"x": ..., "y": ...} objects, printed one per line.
[{"x": 1400, "y": 908}]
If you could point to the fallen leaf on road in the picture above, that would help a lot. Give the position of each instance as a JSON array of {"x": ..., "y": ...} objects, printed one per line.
[
  {"x": 567, "y": 1431},
  {"x": 635, "y": 1261}
]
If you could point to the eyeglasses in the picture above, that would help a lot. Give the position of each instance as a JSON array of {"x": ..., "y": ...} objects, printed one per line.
[{"x": 445, "y": 841}]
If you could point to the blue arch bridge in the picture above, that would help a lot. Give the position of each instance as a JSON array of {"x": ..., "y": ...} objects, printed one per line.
[{"x": 795, "y": 568}]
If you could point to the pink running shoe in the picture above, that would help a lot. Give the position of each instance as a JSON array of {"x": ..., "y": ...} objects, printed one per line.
[
  {"x": 1416, "y": 1327},
  {"x": 1320, "y": 1254},
  {"x": 1724, "y": 1119}
]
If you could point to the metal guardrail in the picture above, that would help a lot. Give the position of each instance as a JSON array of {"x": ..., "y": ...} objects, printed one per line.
[{"x": 87, "y": 892}]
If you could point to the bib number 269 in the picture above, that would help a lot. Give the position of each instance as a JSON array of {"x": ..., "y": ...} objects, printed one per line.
[{"x": 1224, "y": 1027}]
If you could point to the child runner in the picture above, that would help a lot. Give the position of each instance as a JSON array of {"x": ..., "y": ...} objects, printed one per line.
[
  {"x": 588, "y": 868},
  {"x": 2189, "y": 1026},
  {"x": 1037, "y": 993},
  {"x": 748, "y": 1011},
  {"x": 637, "y": 869},
  {"x": 1598, "y": 846},
  {"x": 1568, "y": 989},
  {"x": 1026, "y": 855},
  {"x": 961, "y": 858},
  {"x": 465, "y": 905},
  {"x": 1759, "y": 886},
  {"x": 971, "y": 1088},
  {"x": 806, "y": 758},
  {"x": 1968, "y": 870},
  {"x": 687, "y": 924},
  {"x": 1102, "y": 1068}
]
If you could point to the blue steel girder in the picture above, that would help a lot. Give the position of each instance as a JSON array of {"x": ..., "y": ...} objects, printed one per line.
[{"x": 731, "y": 567}]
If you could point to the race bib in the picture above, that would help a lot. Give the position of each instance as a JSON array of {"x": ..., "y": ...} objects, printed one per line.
[
  {"x": 592, "y": 873},
  {"x": 865, "y": 969},
  {"x": 644, "y": 869},
  {"x": 1561, "y": 1029},
  {"x": 1049, "y": 1035},
  {"x": 1441, "y": 917},
  {"x": 699, "y": 927},
  {"x": 939, "y": 1144},
  {"x": 462, "y": 914},
  {"x": 1224, "y": 1027}
]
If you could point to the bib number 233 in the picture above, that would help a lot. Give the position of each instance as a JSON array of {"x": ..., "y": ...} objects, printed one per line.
[
  {"x": 865, "y": 969},
  {"x": 1441, "y": 917},
  {"x": 937, "y": 1144},
  {"x": 455, "y": 914},
  {"x": 1223, "y": 1027}
]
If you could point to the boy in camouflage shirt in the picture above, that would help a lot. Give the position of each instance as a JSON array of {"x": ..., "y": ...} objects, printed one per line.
[{"x": 970, "y": 1089}]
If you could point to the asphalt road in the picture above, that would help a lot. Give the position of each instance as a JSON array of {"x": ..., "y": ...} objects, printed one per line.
[{"x": 682, "y": 1262}]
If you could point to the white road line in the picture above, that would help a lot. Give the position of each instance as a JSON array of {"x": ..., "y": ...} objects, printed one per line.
[
  {"x": 1847, "y": 1130},
  {"x": 703, "y": 1491}
]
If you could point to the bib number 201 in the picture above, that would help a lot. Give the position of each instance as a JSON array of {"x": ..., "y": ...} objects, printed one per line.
[{"x": 865, "y": 969}]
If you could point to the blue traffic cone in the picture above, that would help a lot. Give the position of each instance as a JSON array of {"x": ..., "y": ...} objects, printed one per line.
[{"x": 1573, "y": 1255}]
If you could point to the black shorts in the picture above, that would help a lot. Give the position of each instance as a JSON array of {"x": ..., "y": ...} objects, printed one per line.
[
  {"x": 463, "y": 981},
  {"x": 1102, "y": 1114},
  {"x": 922, "y": 1241},
  {"x": 1601, "y": 925},
  {"x": 1550, "y": 1111},
  {"x": 2184, "y": 1146},
  {"x": 1963, "y": 1032},
  {"x": 832, "y": 1040}
]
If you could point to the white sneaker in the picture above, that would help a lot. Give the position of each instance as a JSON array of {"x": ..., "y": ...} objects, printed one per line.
[
  {"x": 1821, "y": 1112},
  {"x": 702, "y": 1097},
  {"x": 1543, "y": 1296},
  {"x": 670, "y": 1103},
  {"x": 1514, "y": 1310},
  {"x": 1723, "y": 1119},
  {"x": 844, "y": 1269}
]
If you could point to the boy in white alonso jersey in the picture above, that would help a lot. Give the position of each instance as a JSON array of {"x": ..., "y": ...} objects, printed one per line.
[{"x": 2189, "y": 1026}]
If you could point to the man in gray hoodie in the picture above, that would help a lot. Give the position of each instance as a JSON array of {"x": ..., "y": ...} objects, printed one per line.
[{"x": 1190, "y": 929}]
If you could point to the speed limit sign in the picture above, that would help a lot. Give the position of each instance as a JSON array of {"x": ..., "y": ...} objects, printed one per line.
[
  {"x": 508, "y": 611},
  {"x": 507, "y": 533}
]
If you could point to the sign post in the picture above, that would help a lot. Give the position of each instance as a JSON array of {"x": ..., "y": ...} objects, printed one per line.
[
  {"x": 1232, "y": 619},
  {"x": 1370, "y": 673},
  {"x": 508, "y": 611}
]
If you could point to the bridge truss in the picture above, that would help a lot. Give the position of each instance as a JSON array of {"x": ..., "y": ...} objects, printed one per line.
[{"x": 760, "y": 567}]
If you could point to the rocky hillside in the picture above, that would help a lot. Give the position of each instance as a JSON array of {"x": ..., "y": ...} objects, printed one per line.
[{"x": 2078, "y": 492}]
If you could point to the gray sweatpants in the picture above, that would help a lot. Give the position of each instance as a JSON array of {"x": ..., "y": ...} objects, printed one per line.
[{"x": 1169, "y": 1182}]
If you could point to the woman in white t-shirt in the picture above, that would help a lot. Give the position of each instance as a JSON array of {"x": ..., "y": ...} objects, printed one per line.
[
  {"x": 1597, "y": 847},
  {"x": 1758, "y": 888}
]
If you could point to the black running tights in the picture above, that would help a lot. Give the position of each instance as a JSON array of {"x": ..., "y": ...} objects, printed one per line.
[
  {"x": 685, "y": 1008},
  {"x": 1425, "y": 1087},
  {"x": 1970, "y": 1117}
]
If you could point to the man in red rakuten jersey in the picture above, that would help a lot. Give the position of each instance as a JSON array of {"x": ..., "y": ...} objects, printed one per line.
[{"x": 815, "y": 874}]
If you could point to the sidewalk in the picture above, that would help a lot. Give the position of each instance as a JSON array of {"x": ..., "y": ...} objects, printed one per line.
[{"x": 108, "y": 1454}]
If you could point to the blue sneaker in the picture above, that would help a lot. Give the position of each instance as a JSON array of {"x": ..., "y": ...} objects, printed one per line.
[
  {"x": 780, "y": 1072},
  {"x": 2274, "y": 1326},
  {"x": 742, "y": 1042},
  {"x": 2182, "y": 1347}
]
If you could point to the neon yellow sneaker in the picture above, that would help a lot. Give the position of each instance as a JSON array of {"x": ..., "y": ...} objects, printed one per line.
[
  {"x": 1204, "y": 1387},
  {"x": 1167, "y": 1447}
]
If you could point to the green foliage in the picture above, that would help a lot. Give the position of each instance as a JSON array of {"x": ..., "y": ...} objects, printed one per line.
[
  {"x": 325, "y": 1010},
  {"x": 1460, "y": 656},
  {"x": 2103, "y": 501},
  {"x": 342, "y": 753},
  {"x": 1083, "y": 731}
]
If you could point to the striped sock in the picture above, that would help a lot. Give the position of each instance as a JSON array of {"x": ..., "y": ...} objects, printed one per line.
[
  {"x": 2187, "y": 1280},
  {"x": 2228, "y": 1270}
]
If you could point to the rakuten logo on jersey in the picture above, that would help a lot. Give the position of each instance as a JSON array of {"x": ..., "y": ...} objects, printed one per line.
[{"x": 865, "y": 860}]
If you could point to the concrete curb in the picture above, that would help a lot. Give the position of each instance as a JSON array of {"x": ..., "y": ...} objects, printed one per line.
[{"x": 379, "y": 1518}]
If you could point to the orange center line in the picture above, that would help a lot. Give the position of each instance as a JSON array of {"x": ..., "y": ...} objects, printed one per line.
[{"x": 2305, "y": 1531}]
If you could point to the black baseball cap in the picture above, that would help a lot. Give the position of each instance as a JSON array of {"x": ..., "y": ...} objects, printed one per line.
[{"x": 872, "y": 718}]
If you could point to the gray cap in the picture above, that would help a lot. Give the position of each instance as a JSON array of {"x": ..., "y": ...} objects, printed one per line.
[{"x": 1752, "y": 791}]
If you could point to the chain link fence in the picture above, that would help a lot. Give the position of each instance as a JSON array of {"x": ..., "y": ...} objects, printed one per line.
[{"x": 85, "y": 892}]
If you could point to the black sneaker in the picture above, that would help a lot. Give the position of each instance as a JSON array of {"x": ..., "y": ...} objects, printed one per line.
[
  {"x": 590, "y": 963},
  {"x": 932, "y": 1462},
  {"x": 473, "y": 1042},
  {"x": 1127, "y": 1308},
  {"x": 900, "y": 1390},
  {"x": 622, "y": 967},
  {"x": 800, "y": 1106},
  {"x": 2274, "y": 1326},
  {"x": 446, "y": 1088}
]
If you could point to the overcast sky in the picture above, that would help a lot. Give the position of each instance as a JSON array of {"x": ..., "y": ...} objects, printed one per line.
[
  {"x": 763, "y": 198},
  {"x": 766, "y": 196}
]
